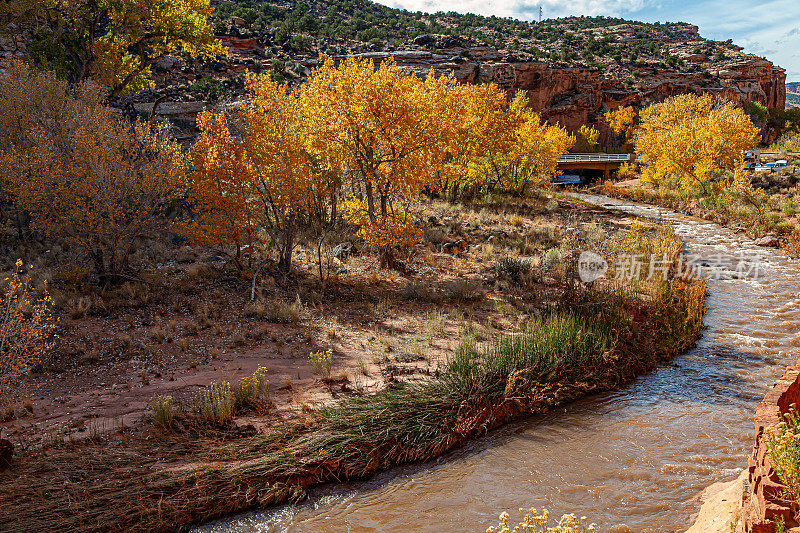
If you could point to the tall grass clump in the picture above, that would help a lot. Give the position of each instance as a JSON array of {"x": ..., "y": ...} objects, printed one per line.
[
  {"x": 559, "y": 346},
  {"x": 214, "y": 404},
  {"x": 251, "y": 390},
  {"x": 218, "y": 403},
  {"x": 275, "y": 311}
]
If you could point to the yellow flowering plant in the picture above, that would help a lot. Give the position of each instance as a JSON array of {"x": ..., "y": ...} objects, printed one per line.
[
  {"x": 783, "y": 447},
  {"x": 535, "y": 522},
  {"x": 26, "y": 332}
]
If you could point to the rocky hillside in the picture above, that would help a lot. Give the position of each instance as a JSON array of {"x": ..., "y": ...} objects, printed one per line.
[
  {"x": 793, "y": 95},
  {"x": 573, "y": 69}
]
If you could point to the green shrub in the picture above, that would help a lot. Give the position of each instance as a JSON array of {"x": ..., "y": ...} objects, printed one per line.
[{"x": 513, "y": 268}]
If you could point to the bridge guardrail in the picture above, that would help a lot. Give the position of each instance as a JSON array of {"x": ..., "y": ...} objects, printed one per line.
[{"x": 594, "y": 157}]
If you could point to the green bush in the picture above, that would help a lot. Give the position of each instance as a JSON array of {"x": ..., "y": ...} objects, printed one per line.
[{"x": 513, "y": 268}]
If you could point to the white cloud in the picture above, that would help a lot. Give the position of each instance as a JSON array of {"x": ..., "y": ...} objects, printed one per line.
[{"x": 768, "y": 29}]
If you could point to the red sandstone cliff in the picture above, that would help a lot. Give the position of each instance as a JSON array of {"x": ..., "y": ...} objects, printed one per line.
[{"x": 577, "y": 96}]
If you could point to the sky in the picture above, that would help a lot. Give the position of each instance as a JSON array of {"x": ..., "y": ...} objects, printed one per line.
[{"x": 770, "y": 29}]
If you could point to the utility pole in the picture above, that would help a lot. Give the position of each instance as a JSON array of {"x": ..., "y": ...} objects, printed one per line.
[{"x": 540, "y": 13}]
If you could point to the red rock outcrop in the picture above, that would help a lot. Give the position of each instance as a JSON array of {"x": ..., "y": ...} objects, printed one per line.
[
  {"x": 577, "y": 96},
  {"x": 762, "y": 503}
]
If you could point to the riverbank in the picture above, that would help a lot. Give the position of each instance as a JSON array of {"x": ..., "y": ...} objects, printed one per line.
[
  {"x": 578, "y": 340},
  {"x": 720, "y": 510},
  {"x": 766, "y": 210}
]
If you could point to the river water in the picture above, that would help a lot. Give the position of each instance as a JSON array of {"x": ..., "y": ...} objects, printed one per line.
[{"x": 631, "y": 459}]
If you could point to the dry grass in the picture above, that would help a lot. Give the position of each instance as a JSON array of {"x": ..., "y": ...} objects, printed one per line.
[
  {"x": 275, "y": 311},
  {"x": 205, "y": 466}
]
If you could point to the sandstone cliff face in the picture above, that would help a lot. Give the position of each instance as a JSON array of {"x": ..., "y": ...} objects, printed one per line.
[{"x": 576, "y": 96}]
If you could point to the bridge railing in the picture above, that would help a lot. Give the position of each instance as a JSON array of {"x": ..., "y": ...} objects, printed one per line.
[{"x": 594, "y": 157}]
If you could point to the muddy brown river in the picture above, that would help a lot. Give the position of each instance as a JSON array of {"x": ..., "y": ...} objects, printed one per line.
[{"x": 631, "y": 459}]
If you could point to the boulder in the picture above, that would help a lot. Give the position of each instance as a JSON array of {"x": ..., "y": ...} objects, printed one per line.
[
  {"x": 768, "y": 240},
  {"x": 342, "y": 251}
]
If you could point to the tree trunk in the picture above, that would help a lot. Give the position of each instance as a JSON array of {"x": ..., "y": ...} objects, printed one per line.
[{"x": 285, "y": 259}]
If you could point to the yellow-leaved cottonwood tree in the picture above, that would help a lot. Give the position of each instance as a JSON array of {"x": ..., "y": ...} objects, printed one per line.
[
  {"x": 622, "y": 120},
  {"x": 365, "y": 141},
  {"x": 526, "y": 154},
  {"x": 227, "y": 211},
  {"x": 688, "y": 137},
  {"x": 258, "y": 184},
  {"x": 386, "y": 140},
  {"x": 116, "y": 41},
  {"x": 476, "y": 123},
  {"x": 279, "y": 162}
]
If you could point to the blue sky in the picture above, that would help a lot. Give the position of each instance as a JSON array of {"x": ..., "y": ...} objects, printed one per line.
[{"x": 770, "y": 29}]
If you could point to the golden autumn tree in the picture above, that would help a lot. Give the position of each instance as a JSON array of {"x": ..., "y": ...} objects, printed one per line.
[
  {"x": 528, "y": 155},
  {"x": 140, "y": 32},
  {"x": 226, "y": 208},
  {"x": 475, "y": 123},
  {"x": 688, "y": 137},
  {"x": 26, "y": 332},
  {"x": 588, "y": 138},
  {"x": 261, "y": 182},
  {"x": 279, "y": 160},
  {"x": 385, "y": 138},
  {"x": 82, "y": 171},
  {"x": 117, "y": 41},
  {"x": 622, "y": 120}
]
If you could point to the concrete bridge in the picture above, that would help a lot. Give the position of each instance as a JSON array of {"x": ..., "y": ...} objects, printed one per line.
[{"x": 594, "y": 161}]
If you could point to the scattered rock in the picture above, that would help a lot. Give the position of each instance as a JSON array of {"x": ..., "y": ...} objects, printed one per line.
[
  {"x": 768, "y": 240},
  {"x": 342, "y": 251},
  {"x": 424, "y": 40}
]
